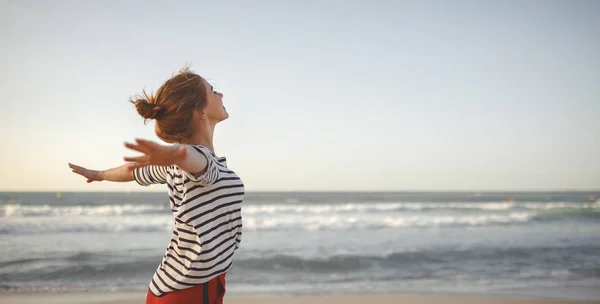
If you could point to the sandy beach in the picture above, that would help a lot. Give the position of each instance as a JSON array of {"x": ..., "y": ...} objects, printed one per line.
[{"x": 138, "y": 298}]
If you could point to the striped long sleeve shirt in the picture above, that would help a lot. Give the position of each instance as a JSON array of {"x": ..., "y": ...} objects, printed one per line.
[{"x": 208, "y": 222}]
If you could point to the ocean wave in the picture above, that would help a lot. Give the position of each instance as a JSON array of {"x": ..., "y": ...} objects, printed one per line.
[
  {"x": 528, "y": 262},
  {"x": 87, "y": 224},
  {"x": 78, "y": 265},
  {"x": 153, "y": 218},
  {"x": 485, "y": 266},
  {"x": 410, "y": 206},
  {"x": 255, "y": 223},
  {"x": 546, "y": 260},
  {"x": 17, "y": 210},
  {"x": 339, "y": 222}
]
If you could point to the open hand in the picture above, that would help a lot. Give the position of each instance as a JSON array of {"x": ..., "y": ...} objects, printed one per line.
[
  {"x": 154, "y": 154},
  {"x": 91, "y": 175}
]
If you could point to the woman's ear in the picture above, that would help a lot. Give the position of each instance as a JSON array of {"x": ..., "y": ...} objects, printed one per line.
[{"x": 199, "y": 115}]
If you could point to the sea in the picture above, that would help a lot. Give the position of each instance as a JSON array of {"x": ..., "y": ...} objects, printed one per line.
[{"x": 534, "y": 245}]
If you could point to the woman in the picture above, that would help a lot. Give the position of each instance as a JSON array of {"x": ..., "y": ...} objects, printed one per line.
[{"x": 205, "y": 196}]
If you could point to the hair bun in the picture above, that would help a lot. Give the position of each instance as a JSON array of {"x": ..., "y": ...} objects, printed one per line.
[{"x": 147, "y": 109}]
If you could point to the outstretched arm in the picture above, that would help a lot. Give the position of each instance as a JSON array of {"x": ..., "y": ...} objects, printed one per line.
[
  {"x": 150, "y": 167},
  {"x": 122, "y": 173},
  {"x": 185, "y": 157}
]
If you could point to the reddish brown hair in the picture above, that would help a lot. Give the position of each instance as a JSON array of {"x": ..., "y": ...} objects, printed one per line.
[{"x": 173, "y": 106}]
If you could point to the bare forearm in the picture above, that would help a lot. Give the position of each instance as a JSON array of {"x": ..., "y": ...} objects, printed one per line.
[
  {"x": 188, "y": 158},
  {"x": 119, "y": 174}
]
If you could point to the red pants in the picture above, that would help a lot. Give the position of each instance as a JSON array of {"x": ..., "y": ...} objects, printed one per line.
[{"x": 211, "y": 292}]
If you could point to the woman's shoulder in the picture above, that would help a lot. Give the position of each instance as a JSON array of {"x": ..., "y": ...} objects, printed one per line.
[{"x": 222, "y": 160}]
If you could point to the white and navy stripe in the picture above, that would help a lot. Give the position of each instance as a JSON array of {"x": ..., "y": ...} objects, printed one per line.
[{"x": 208, "y": 222}]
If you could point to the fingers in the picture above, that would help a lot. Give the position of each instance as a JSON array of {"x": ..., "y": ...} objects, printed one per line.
[
  {"x": 145, "y": 143},
  {"x": 137, "y": 159},
  {"x": 144, "y": 146},
  {"x": 81, "y": 171},
  {"x": 74, "y": 167},
  {"x": 77, "y": 169},
  {"x": 137, "y": 147}
]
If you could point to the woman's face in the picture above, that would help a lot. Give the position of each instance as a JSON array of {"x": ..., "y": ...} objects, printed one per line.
[{"x": 215, "y": 110}]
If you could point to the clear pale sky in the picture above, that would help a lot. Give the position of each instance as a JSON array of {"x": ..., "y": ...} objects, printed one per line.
[{"x": 323, "y": 95}]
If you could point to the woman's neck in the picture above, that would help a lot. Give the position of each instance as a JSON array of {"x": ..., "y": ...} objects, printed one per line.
[{"x": 204, "y": 136}]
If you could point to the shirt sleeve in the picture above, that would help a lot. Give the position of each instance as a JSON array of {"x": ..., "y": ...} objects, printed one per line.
[
  {"x": 211, "y": 174},
  {"x": 150, "y": 175}
]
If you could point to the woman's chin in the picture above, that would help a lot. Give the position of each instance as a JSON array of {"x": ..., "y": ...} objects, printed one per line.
[{"x": 225, "y": 114}]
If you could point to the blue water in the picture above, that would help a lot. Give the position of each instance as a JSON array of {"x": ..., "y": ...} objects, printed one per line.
[{"x": 529, "y": 244}]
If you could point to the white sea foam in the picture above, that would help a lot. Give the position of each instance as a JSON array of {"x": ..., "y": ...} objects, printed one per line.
[
  {"x": 16, "y": 210},
  {"x": 340, "y": 222},
  {"x": 408, "y": 206},
  {"x": 149, "y": 223},
  {"x": 85, "y": 224},
  {"x": 15, "y": 218}
]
